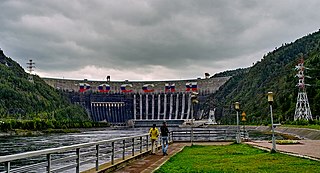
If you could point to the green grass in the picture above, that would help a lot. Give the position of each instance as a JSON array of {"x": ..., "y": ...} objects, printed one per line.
[
  {"x": 287, "y": 142},
  {"x": 235, "y": 158},
  {"x": 310, "y": 126}
]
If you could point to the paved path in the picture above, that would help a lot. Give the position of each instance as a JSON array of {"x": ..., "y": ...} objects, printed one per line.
[
  {"x": 307, "y": 148},
  {"x": 151, "y": 162}
]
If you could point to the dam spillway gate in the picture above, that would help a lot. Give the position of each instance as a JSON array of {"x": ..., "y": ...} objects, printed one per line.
[{"x": 119, "y": 108}]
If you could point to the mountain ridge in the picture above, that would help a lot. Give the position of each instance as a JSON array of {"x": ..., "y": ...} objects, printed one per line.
[
  {"x": 275, "y": 72},
  {"x": 21, "y": 99}
]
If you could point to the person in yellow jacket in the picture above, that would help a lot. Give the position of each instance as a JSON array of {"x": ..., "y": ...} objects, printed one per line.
[{"x": 154, "y": 133}]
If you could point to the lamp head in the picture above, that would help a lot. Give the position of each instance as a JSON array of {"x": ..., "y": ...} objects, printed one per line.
[
  {"x": 270, "y": 97},
  {"x": 243, "y": 116},
  {"x": 237, "y": 106},
  {"x": 194, "y": 98}
]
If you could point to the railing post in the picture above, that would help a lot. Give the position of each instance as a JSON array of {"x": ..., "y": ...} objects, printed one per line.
[
  {"x": 147, "y": 142},
  {"x": 97, "y": 157},
  {"x": 140, "y": 144},
  {"x": 112, "y": 153},
  {"x": 78, "y": 160},
  {"x": 171, "y": 136},
  {"x": 225, "y": 134},
  {"x": 123, "y": 149},
  {"x": 7, "y": 167},
  {"x": 49, "y": 163},
  {"x": 132, "y": 146},
  {"x": 159, "y": 141}
]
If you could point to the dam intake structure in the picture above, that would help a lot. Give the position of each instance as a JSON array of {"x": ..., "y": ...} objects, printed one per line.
[{"x": 141, "y": 101}]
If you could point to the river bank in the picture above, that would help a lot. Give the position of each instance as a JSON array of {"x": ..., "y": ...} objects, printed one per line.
[
  {"x": 301, "y": 133},
  {"x": 26, "y": 133}
]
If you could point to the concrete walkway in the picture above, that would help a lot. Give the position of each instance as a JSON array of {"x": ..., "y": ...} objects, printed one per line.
[
  {"x": 307, "y": 148},
  {"x": 152, "y": 162}
]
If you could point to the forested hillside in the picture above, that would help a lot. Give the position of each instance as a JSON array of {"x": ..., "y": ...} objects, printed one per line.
[
  {"x": 275, "y": 72},
  {"x": 21, "y": 99}
]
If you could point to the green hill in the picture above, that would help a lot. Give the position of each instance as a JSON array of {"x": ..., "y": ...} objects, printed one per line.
[
  {"x": 275, "y": 72},
  {"x": 21, "y": 99}
]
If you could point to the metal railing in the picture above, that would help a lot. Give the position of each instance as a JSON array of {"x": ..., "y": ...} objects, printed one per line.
[
  {"x": 72, "y": 157},
  {"x": 206, "y": 135}
]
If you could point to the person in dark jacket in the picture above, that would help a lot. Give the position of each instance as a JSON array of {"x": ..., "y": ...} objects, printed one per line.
[{"x": 164, "y": 135}]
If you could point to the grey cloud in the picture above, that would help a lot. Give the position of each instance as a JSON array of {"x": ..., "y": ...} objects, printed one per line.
[{"x": 180, "y": 34}]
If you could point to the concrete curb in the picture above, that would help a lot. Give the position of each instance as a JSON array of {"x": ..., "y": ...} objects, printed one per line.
[{"x": 164, "y": 161}]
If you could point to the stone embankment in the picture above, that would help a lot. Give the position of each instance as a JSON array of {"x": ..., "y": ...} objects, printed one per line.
[{"x": 302, "y": 133}]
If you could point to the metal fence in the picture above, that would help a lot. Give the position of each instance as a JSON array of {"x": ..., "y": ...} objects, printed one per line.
[
  {"x": 72, "y": 157},
  {"x": 206, "y": 135}
]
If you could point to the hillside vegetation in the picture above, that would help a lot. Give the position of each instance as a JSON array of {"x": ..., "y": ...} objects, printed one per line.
[
  {"x": 21, "y": 99},
  {"x": 275, "y": 72}
]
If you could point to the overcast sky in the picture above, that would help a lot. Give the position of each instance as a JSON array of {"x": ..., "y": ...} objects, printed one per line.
[{"x": 149, "y": 39}]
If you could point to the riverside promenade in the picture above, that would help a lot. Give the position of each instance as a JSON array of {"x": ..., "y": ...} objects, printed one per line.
[{"x": 307, "y": 149}]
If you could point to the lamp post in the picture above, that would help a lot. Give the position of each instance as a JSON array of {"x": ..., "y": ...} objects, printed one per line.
[
  {"x": 270, "y": 100},
  {"x": 237, "y": 107},
  {"x": 194, "y": 101}
]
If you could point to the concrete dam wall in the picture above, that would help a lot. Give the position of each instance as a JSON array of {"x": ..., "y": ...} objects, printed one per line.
[{"x": 117, "y": 102}]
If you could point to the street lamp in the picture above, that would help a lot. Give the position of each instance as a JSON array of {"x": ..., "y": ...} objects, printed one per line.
[
  {"x": 237, "y": 107},
  {"x": 270, "y": 100},
  {"x": 194, "y": 101}
]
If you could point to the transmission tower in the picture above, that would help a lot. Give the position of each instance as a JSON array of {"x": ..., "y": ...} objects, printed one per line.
[
  {"x": 30, "y": 66},
  {"x": 302, "y": 107}
]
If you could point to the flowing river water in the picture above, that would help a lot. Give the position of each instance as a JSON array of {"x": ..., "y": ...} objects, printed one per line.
[{"x": 19, "y": 144}]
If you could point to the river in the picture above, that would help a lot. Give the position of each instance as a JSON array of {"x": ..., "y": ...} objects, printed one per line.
[{"x": 18, "y": 144}]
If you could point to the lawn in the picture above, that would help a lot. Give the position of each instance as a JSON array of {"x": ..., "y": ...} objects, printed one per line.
[
  {"x": 311, "y": 126},
  {"x": 235, "y": 158}
]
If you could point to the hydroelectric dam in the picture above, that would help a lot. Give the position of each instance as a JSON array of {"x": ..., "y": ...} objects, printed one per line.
[{"x": 118, "y": 102}]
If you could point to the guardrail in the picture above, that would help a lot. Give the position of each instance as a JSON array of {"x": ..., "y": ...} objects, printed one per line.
[
  {"x": 206, "y": 135},
  {"x": 72, "y": 157}
]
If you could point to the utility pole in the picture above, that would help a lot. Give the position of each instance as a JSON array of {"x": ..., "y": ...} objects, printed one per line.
[
  {"x": 30, "y": 66},
  {"x": 194, "y": 101}
]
